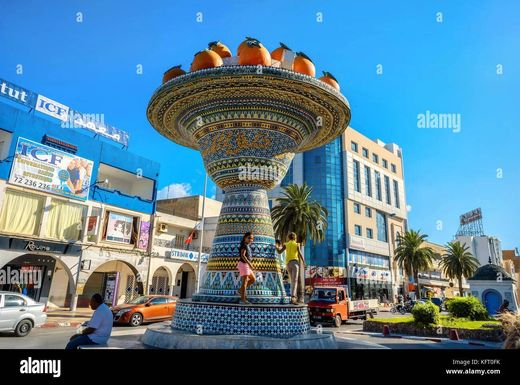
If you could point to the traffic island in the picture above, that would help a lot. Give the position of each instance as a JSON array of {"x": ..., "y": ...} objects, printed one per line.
[
  {"x": 484, "y": 331},
  {"x": 161, "y": 336}
]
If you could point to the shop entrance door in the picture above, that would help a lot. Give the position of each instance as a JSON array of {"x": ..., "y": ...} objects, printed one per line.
[{"x": 184, "y": 284}]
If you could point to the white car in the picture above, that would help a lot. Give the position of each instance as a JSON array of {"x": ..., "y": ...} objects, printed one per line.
[{"x": 19, "y": 313}]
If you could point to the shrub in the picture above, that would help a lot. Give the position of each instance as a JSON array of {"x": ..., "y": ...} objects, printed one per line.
[
  {"x": 467, "y": 307},
  {"x": 426, "y": 313}
]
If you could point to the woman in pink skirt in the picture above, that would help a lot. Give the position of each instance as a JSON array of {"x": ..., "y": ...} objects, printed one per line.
[{"x": 245, "y": 268}]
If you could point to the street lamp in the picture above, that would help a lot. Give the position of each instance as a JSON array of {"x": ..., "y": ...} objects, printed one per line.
[
  {"x": 199, "y": 267},
  {"x": 389, "y": 240}
]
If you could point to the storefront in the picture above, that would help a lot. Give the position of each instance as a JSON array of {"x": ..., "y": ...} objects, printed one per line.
[
  {"x": 39, "y": 268},
  {"x": 369, "y": 276}
]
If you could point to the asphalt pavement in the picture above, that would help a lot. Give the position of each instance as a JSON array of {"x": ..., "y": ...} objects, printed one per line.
[{"x": 349, "y": 336}]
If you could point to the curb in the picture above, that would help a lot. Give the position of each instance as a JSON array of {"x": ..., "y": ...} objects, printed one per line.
[
  {"x": 438, "y": 340},
  {"x": 55, "y": 324}
]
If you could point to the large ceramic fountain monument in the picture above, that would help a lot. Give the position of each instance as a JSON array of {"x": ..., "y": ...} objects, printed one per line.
[{"x": 247, "y": 121}]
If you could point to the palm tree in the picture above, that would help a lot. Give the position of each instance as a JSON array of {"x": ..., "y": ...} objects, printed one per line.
[
  {"x": 296, "y": 212},
  {"x": 412, "y": 256},
  {"x": 458, "y": 262}
]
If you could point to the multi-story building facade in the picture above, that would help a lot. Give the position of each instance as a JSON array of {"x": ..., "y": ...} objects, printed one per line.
[
  {"x": 176, "y": 242},
  {"x": 375, "y": 214},
  {"x": 434, "y": 282},
  {"x": 511, "y": 263},
  {"x": 75, "y": 209},
  {"x": 485, "y": 248}
]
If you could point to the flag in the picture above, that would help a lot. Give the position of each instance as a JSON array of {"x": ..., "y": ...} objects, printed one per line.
[{"x": 190, "y": 238}]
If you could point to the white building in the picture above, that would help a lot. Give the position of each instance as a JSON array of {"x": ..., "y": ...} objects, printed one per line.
[
  {"x": 483, "y": 248},
  {"x": 174, "y": 262}
]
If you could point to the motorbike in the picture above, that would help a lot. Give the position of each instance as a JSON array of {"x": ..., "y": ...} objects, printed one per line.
[{"x": 398, "y": 308}]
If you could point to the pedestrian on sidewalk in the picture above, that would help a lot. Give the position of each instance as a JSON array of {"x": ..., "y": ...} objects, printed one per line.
[
  {"x": 245, "y": 266},
  {"x": 99, "y": 327},
  {"x": 293, "y": 256}
]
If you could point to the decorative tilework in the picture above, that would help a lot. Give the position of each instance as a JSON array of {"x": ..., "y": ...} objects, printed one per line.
[
  {"x": 273, "y": 321},
  {"x": 242, "y": 120}
]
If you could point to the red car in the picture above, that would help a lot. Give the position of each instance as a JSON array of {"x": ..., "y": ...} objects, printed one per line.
[{"x": 147, "y": 308}]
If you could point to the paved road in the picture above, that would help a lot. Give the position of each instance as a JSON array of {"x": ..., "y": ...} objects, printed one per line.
[
  {"x": 57, "y": 338},
  {"x": 128, "y": 337}
]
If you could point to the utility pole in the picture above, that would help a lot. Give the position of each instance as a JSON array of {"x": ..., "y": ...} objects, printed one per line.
[{"x": 202, "y": 230}]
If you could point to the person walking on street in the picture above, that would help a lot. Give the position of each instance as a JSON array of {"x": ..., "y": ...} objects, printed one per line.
[
  {"x": 245, "y": 266},
  {"x": 293, "y": 256},
  {"x": 99, "y": 327}
]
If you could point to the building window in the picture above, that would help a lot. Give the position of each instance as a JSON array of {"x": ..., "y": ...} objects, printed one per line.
[
  {"x": 381, "y": 227},
  {"x": 357, "y": 230},
  {"x": 357, "y": 208},
  {"x": 368, "y": 181},
  {"x": 365, "y": 152},
  {"x": 379, "y": 194},
  {"x": 21, "y": 213},
  {"x": 357, "y": 177},
  {"x": 65, "y": 220},
  {"x": 121, "y": 228},
  {"x": 179, "y": 241},
  {"x": 368, "y": 212},
  {"x": 354, "y": 146},
  {"x": 396, "y": 194},
  {"x": 5, "y": 143},
  {"x": 394, "y": 168},
  {"x": 385, "y": 163},
  {"x": 125, "y": 182},
  {"x": 387, "y": 190},
  {"x": 375, "y": 158},
  {"x": 370, "y": 233},
  {"x": 93, "y": 223}
]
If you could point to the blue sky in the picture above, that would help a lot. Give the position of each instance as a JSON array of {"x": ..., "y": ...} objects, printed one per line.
[{"x": 442, "y": 67}]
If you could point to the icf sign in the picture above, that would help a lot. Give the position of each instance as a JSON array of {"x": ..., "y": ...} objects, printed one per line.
[{"x": 52, "y": 108}]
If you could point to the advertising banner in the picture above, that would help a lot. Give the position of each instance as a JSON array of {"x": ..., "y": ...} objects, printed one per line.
[
  {"x": 17, "y": 94},
  {"x": 92, "y": 225},
  {"x": 119, "y": 228},
  {"x": 69, "y": 117},
  {"x": 144, "y": 234},
  {"x": 367, "y": 273},
  {"x": 325, "y": 276},
  {"x": 52, "y": 108},
  {"x": 47, "y": 169},
  {"x": 188, "y": 255}
]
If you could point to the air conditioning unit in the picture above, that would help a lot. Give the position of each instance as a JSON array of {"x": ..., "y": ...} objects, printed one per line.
[{"x": 163, "y": 228}]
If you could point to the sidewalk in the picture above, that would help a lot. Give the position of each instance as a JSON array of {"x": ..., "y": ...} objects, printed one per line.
[
  {"x": 488, "y": 344},
  {"x": 63, "y": 317}
]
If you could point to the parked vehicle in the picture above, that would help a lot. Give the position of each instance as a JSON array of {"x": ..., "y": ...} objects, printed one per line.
[
  {"x": 19, "y": 313},
  {"x": 148, "y": 308},
  {"x": 331, "y": 305},
  {"x": 437, "y": 301},
  {"x": 398, "y": 308}
]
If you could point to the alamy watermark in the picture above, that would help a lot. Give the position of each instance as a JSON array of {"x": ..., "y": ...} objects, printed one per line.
[
  {"x": 23, "y": 276},
  {"x": 251, "y": 172},
  {"x": 79, "y": 120},
  {"x": 439, "y": 120}
]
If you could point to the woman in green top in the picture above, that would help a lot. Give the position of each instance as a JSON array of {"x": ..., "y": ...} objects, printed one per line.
[{"x": 293, "y": 256}]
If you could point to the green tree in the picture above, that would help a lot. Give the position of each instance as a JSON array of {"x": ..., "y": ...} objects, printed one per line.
[
  {"x": 412, "y": 256},
  {"x": 458, "y": 262},
  {"x": 296, "y": 212}
]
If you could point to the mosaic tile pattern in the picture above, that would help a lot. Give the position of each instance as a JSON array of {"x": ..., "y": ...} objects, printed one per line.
[
  {"x": 247, "y": 210},
  {"x": 247, "y": 125},
  {"x": 272, "y": 321}
]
